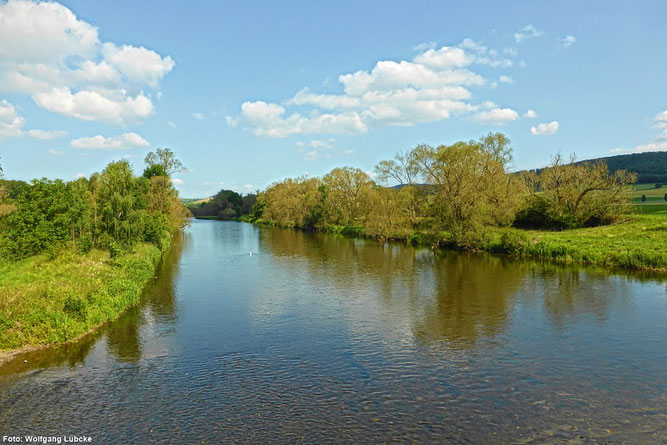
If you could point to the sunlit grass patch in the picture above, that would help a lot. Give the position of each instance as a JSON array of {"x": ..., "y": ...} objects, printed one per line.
[{"x": 47, "y": 300}]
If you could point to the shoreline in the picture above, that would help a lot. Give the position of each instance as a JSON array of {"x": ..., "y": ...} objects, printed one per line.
[
  {"x": 593, "y": 249},
  {"x": 127, "y": 268}
]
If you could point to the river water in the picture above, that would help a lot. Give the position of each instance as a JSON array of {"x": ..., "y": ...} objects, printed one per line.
[{"x": 321, "y": 339}]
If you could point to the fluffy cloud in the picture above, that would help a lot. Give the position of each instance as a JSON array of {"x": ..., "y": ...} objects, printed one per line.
[
  {"x": 11, "y": 125},
  {"x": 57, "y": 59},
  {"x": 198, "y": 116},
  {"x": 99, "y": 142},
  {"x": 177, "y": 181},
  {"x": 55, "y": 152},
  {"x": 545, "y": 129},
  {"x": 496, "y": 116},
  {"x": 434, "y": 85},
  {"x": 658, "y": 144},
  {"x": 567, "y": 41},
  {"x": 527, "y": 32},
  {"x": 530, "y": 114}
]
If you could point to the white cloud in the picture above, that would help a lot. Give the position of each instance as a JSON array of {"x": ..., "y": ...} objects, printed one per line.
[
  {"x": 326, "y": 144},
  {"x": 232, "y": 122},
  {"x": 545, "y": 128},
  {"x": 11, "y": 125},
  {"x": 56, "y": 152},
  {"x": 421, "y": 47},
  {"x": 567, "y": 41},
  {"x": 485, "y": 56},
  {"x": 658, "y": 144},
  {"x": 505, "y": 79},
  {"x": 527, "y": 32},
  {"x": 46, "y": 135},
  {"x": 496, "y": 116},
  {"x": 198, "y": 116},
  {"x": 348, "y": 152},
  {"x": 530, "y": 114},
  {"x": 177, "y": 181},
  {"x": 59, "y": 60},
  {"x": 138, "y": 65},
  {"x": 660, "y": 120},
  {"x": 99, "y": 142},
  {"x": 433, "y": 86},
  {"x": 80, "y": 175},
  {"x": 171, "y": 124}
]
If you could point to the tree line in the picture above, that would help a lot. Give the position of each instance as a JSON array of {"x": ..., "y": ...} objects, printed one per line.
[
  {"x": 454, "y": 192},
  {"x": 111, "y": 210}
]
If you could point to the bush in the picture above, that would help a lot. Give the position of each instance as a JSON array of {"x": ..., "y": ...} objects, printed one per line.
[
  {"x": 86, "y": 243},
  {"x": 115, "y": 250},
  {"x": 227, "y": 214},
  {"x": 658, "y": 186},
  {"x": 156, "y": 229},
  {"x": 75, "y": 306},
  {"x": 512, "y": 242}
]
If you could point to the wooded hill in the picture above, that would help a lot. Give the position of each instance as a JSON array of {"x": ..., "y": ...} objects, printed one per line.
[{"x": 650, "y": 167}]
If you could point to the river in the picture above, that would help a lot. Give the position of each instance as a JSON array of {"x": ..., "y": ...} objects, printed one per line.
[{"x": 262, "y": 335}]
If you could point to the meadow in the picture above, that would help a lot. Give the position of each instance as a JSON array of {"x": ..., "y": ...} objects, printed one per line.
[{"x": 53, "y": 298}]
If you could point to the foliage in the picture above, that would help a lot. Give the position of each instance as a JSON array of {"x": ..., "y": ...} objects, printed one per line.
[
  {"x": 224, "y": 205},
  {"x": 165, "y": 159},
  {"x": 568, "y": 195},
  {"x": 455, "y": 194},
  {"x": 113, "y": 209}
]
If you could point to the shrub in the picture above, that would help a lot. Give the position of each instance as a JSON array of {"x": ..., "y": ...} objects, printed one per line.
[
  {"x": 227, "y": 214},
  {"x": 115, "y": 250},
  {"x": 658, "y": 186},
  {"x": 86, "y": 243},
  {"x": 512, "y": 242},
  {"x": 75, "y": 306}
]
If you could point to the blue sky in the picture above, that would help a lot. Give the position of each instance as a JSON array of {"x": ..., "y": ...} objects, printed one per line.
[{"x": 247, "y": 93}]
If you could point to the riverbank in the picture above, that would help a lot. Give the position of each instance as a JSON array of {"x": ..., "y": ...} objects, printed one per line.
[
  {"x": 639, "y": 242},
  {"x": 46, "y": 300}
]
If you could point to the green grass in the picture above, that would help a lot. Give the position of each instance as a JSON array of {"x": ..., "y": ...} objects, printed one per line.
[
  {"x": 46, "y": 300},
  {"x": 640, "y": 242}
]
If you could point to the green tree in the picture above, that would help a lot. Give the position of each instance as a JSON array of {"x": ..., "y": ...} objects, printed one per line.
[
  {"x": 347, "y": 195},
  {"x": 165, "y": 158}
]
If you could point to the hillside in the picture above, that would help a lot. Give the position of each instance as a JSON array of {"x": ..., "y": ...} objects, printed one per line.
[{"x": 651, "y": 167}]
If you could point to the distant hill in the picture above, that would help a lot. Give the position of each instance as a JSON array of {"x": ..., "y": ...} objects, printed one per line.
[{"x": 651, "y": 167}]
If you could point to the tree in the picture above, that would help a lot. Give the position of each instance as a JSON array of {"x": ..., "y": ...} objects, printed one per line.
[
  {"x": 293, "y": 202},
  {"x": 499, "y": 147},
  {"x": 404, "y": 169},
  {"x": 120, "y": 205},
  {"x": 579, "y": 194},
  {"x": 347, "y": 194},
  {"x": 166, "y": 159},
  {"x": 471, "y": 187}
]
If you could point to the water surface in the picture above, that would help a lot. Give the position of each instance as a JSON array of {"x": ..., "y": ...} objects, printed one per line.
[{"x": 322, "y": 339}]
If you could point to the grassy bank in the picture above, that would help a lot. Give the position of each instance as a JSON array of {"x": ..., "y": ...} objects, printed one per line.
[
  {"x": 47, "y": 300},
  {"x": 639, "y": 242}
]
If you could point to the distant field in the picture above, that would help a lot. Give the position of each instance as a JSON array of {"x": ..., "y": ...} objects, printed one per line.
[
  {"x": 655, "y": 198},
  {"x": 195, "y": 201}
]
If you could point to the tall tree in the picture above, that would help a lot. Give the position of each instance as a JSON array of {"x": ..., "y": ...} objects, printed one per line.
[{"x": 164, "y": 158}]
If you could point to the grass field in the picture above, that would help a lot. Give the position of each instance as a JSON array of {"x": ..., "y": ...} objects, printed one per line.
[
  {"x": 638, "y": 242},
  {"x": 46, "y": 300},
  {"x": 653, "y": 195}
]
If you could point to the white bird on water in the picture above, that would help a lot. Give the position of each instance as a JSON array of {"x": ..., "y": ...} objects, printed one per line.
[{"x": 250, "y": 253}]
